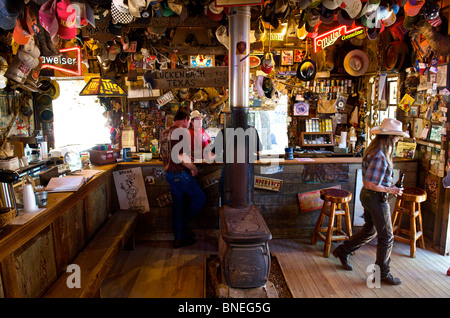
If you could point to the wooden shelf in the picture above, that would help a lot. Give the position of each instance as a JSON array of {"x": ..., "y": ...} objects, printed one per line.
[{"x": 317, "y": 139}]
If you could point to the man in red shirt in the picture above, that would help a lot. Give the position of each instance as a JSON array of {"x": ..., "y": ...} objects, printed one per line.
[{"x": 180, "y": 173}]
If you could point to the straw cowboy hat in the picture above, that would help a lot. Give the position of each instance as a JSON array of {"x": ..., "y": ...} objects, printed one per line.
[
  {"x": 356, "y": 63},
  {"x": 196, "y": 113},
  {"x": 389, "y": 126}
]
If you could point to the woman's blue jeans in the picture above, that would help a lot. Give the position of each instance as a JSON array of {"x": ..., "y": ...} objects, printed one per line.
[
  {"x": 377, "y": 221},
  {"x": 188, "y": 198}
]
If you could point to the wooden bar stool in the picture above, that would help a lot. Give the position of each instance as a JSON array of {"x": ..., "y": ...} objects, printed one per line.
[
  {"x": 335, "y": 205},
  {"x": 409, "y": 204}
]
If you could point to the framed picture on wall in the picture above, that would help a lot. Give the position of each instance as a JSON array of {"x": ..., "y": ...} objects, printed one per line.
[
  {"x": 392, "y": 89},
  {"x": 298, "y": 56},
  {"x": 418, "y": 127},
  {"x": 435, "y": 133},
  {"x": 442, "y": 76},
  {"x": 414, "y": 111},
  {"x": 287, "y": 57}
]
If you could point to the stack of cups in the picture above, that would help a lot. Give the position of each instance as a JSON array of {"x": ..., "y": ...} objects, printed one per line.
[
  {"x": 44, "y": 150},
  {"x": 29, "y": 199}
]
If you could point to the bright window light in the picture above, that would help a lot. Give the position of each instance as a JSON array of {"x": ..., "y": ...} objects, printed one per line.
[{"x": 78, "y": 120}]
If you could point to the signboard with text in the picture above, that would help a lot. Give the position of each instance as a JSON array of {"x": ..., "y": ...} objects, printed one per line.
[
  {"x": 190, "y": 78},
  {"x": 68, "y": 63}
]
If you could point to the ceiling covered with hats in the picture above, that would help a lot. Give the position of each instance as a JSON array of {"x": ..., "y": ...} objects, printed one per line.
[{"x": 292, "y": 42}]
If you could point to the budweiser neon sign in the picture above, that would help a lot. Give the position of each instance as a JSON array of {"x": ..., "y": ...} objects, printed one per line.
[
  {"x": 330, "y": 37},
  {"x": 69, "y": 61}
]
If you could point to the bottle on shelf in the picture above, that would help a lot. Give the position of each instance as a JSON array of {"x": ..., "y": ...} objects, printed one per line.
[{"x": 399, "y": 183}]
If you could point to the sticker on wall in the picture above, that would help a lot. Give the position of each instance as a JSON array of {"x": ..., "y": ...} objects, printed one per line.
[
  {"x": 241, "y": 47},
  {"x": 301, "y": 109},
  {"x": 268, "y": 183}
]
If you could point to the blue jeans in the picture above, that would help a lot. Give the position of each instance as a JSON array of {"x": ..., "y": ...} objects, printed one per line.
[
  {"x": 377, "y": 221},
  {"x": 188, "y": 198}
]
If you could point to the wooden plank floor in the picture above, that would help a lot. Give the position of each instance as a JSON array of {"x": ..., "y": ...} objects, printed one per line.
[{"x": 156, "y": 270}]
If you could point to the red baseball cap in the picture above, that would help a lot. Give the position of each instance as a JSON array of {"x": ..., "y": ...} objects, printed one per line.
[
  {"x": 66, "y": 15},
  {"x": 21, "y": 35}
]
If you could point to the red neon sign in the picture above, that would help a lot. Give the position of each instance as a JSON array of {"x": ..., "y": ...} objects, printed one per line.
[
  {"x": 69, "y": 62},
  {"x": 330, "y": 37}
]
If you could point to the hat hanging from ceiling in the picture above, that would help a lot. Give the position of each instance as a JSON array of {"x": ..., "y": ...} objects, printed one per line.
[
  {"x": 213, "y": 12},
  {"x": 389, "y": 126},
  {"x": 344, "y": 18},
  {"x": 394, "y": 55},
  {"x": 326, "y": 15},
  {"x": 352, "y": 7},
  {"x": 66, "y": 17},
  {"x": 120, "y": 12},
  {"x": 222, "y": 36},
  {"x": 267, "y": 63},
  {"x": 9, "y": 12},
  {"x": 356, "y": 63},
  {"x": 331, "y": 4},
  {"x": 306, "y": 70},
  {"x": 431, "y": 13},
  {"x": 47, "y": 18},
  {"x": 412, "y": 7},
  {"x": 85, "y": 14}
]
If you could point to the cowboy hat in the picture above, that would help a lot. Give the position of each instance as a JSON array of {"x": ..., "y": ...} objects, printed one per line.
[
  {"x": 356, "y": 63},
  {"x": 389, "y": 126},
  {"x": 306, "y": 70},
  {"x": 394, "y": 55},
  {"x": 196, "y": 113}
]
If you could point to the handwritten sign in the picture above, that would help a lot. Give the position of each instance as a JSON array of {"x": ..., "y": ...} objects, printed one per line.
[{"x": 191, "y": 78}]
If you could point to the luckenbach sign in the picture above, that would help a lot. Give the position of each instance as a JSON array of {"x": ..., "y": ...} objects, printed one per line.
[{"x": 190, "y": 77}]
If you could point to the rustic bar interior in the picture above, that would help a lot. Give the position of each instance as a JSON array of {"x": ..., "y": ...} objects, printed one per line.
[{"x": 87, "y": 88}]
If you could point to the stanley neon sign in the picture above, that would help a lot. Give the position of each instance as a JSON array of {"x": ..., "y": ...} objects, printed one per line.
[
  {"x": 68, "y": 62},
  {"x": 330, "y": 37}
]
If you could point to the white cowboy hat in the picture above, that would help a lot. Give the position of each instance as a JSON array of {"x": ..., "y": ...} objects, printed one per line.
[
  {"x": 196, "y": 113},
  {"x": 389, "y": 126}
]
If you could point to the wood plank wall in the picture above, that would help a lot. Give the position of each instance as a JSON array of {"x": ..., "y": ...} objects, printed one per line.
[{"x": 280, "y": 210}]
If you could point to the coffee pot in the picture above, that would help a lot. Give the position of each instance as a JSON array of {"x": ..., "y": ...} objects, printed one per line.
[{"x": 7, "y": 196}]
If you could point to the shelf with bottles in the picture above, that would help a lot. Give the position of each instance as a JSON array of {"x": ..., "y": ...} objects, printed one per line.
[
  {"x": 330, "y": 87},
  {"x": 317, "y": 139}
]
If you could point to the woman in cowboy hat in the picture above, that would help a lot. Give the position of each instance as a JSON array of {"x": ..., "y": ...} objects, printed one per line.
[{"x": 377, "y": 168}]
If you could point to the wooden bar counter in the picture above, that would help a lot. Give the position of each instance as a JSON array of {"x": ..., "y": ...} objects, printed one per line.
[{"x": 33, "y": 255}]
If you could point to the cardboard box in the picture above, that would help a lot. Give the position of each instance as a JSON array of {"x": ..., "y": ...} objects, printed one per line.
[
  {"x": 101, "y": 157},
  {"x": 10, "y": 163}
]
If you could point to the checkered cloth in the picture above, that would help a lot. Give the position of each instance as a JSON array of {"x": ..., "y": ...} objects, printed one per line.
[{"x": 376, "y": 169}]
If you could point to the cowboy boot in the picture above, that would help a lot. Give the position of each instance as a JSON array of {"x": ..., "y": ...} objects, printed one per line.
[{"x": 50, "y": 45}]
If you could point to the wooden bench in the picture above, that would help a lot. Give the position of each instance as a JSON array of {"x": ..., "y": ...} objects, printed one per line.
[{"x": 97, "y": 258}]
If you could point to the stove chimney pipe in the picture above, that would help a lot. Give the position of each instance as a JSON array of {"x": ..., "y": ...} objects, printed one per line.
[{"x": 239, "y": 83}]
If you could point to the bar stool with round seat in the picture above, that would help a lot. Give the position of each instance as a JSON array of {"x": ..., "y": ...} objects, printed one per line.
[
  {"x": 335, "y": 205},
  {"x": 409, "y": 204}
]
